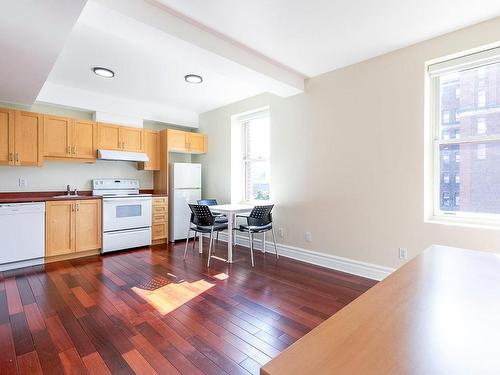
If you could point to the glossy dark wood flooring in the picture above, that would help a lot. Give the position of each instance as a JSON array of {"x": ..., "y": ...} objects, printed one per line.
[{"x": 148, "y": 311}]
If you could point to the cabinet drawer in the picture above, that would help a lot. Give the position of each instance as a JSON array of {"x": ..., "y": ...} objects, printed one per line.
[
  {"x": 159, "y": 201},
  {"x": 160, "y": 209},
  {"x": 159, "y": 231},
  {"x": 159, "y": 218}
]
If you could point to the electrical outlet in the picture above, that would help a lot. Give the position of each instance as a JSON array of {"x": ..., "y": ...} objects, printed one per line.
[
  {"x": 308, "y": 237},
  {"x": 281, "y": 232},
  {"x": 403, "y": 253},
  {"x": 23, "y": 182}
]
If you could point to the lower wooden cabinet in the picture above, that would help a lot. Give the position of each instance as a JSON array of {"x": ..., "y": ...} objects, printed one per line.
[
  {"x": 72, "y": 226},
  {"x": 159, "y": 227}
]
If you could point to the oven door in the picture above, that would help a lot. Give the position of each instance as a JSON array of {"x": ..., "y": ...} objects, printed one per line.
[{"x": 126, "y": 213}]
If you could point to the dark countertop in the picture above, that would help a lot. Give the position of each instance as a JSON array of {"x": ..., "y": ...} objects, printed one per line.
[{"x": 42, "y": 196}]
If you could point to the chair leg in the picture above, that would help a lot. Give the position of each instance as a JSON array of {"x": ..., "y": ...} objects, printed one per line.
[
  {"x": 194, "y": 240},
  {"x": 187, "y": 241},
  {"x": 275, "y": 248},
  {"x": 250, "y": 237},
  {"x": 210, "y": 248},
  {"x": 264, "y": 243}
]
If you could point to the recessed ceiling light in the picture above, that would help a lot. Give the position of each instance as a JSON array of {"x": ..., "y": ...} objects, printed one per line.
[
  {"x": 103, "y": 72},
  {"x": 193, "y": 78}
]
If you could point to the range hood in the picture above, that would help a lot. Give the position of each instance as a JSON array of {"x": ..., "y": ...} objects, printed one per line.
[{"x": 121, "y": 155}]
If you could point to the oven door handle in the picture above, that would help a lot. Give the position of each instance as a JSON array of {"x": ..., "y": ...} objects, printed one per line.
[{"x": 127, "y": 201}]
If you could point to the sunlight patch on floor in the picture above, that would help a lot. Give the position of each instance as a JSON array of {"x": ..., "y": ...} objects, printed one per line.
[
  {"x": 171, "y": 296},
  {"x": 221, "y": 276}
]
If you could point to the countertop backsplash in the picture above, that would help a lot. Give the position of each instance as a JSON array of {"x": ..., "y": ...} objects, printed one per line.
[{"x": 55, "y": 175}]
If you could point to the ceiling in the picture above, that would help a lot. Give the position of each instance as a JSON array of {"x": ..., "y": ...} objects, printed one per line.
[
  {"x": 241, "y": 48},
  {"x": 317, "y": 36},
  {"x": 28, "y": 53}
]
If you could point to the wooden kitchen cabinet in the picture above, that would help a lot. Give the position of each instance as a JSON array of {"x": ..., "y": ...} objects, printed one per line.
[
  {"x": 132, "y": 139},
  {"x": 187, "y": 142},
  {"x": 121, "y": 138},
  {"x": 108, "y": 136},
  {"x": 69, "y": 138},
  {"x": 6, "y": 137},
  {"x": 72, "y": 226},
  {"x": 176, "y": 140},
  {"x": 197, "y": 143},
  {"x": 88, "y": 227},
  {"x": 159, "y": 228},
  {"x": 59, "y": 227},
  {"x": 152, "y": 149},
  {"x": 28, "y": 139},
  {"x": 83, "y": 136}
]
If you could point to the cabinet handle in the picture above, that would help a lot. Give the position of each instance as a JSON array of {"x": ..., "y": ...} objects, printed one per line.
[
  {"x": 76, "y": 149},
  {"x": 11, "y": 156},
  {"x": 72, "y": 208},
  {"x": 123, "y": 144},
  {"x": 78, "y": 206},
  {"x": 17, "y": 157},
  {"x": 68, "y": 150}
]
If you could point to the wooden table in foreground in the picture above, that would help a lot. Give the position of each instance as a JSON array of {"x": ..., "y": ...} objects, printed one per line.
[{"x": 438, "y": 314}]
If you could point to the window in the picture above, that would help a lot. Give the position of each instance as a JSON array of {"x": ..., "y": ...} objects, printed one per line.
[
  {"x": 481, "y": 126},
  {"x": 473, "y": 158},
  {"x": 481, "y": 98},
  {"x": 446, "y": 117},
  {"x": 256, "y": 134}
]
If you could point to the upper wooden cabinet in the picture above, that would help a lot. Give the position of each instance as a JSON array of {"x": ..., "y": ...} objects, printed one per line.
[
  {"x": 72, "y": 226},
  {"x": 6, "y": 137},
  {"x": 22, "y": 138},
  {"x": 188, "y": 142},
  {"x": 83, "y": 136},
  {"x": 69, "y": 138},
  {"x": 152, "y": 149},
  {"x": 115, "y": 137}
]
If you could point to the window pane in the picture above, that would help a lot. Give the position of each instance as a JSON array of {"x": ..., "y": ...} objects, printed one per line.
[
  {"x": 470, "y": 103},
  {"x": 257, "y": 138},
  {"x": 257, "y": 180},
  {"x": 473, "y": 183}
]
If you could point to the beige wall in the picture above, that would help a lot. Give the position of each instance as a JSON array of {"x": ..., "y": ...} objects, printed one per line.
[{"x": 348, "y": 156}]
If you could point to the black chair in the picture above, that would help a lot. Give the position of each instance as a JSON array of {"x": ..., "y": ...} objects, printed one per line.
[
  {"x": 260, "y": 220},
  {"x": 219, "y": 218},
  {"x": 203, "y": 221}
]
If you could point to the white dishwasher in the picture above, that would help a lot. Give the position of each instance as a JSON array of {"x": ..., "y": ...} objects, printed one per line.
[{"x": 22, "y": 234}]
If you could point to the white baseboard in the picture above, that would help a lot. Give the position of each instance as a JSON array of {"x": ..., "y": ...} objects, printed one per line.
[
  {"x": 21, "y": 264},
  {"x": 355, "y": 267}
]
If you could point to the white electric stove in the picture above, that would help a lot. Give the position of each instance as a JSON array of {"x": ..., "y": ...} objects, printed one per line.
[{"x": 126, "y": 213}]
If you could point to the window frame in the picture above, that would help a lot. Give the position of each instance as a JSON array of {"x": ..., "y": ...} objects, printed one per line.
[
  {"x": 435, "y": 70},
  {"x": 246, "y": 160}
]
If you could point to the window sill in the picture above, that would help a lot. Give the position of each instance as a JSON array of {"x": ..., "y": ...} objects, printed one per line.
[{"x": 464, "y": 222}]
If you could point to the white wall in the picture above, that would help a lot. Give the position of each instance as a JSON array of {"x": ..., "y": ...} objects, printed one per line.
[
  {"x": 347, "y": 157},
  {"x": 55, "y": 175}
]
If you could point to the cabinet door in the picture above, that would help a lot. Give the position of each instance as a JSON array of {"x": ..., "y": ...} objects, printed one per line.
[
  {"x": 158, "y": 231},
  {"x": 132, "y": 139},
  {"x": 152, "y": 149},
  {"x": 83, "y": 139},
  {"x": 197, "y": 143},
  {"x": 57, "y": 142},
  {"x": 59, "y": 228},
  {"x": 88, "y": 230},
  {"x": 28, "y": 138},
  {"x": 6, "y": 137},
  {"x": 108, "y": 136},
  {"x": 176, "y": 141}
]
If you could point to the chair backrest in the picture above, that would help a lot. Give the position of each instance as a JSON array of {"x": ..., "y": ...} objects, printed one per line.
[
  {"x": 201, "y": 215},
  {"x": 260, "y": 215},
  {"x": 208, "y": 202}
]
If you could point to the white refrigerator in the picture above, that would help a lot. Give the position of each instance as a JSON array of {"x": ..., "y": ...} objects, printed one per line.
[{"x": 185, "y": 188}]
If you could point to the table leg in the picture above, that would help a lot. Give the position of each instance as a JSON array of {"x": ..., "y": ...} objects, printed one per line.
[{"x": 230, "y": 218}]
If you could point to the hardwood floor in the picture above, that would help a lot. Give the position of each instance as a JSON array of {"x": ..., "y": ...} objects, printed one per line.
[{"x": 147, "y": 311}]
